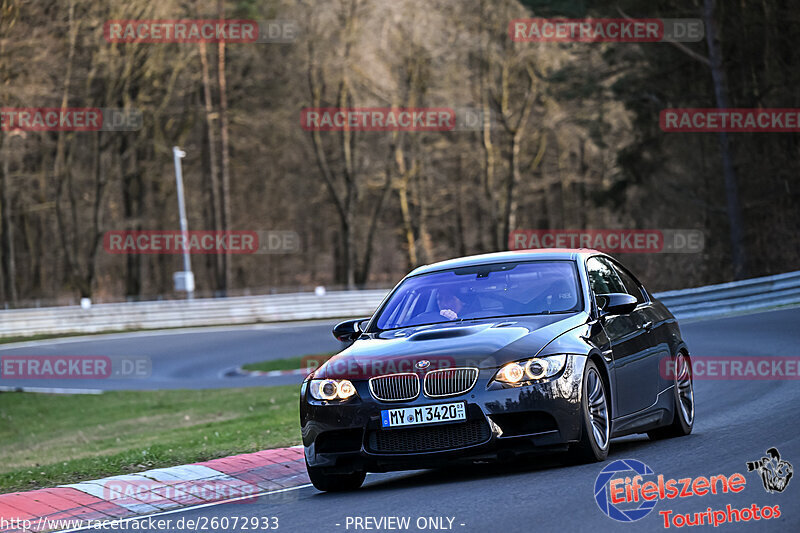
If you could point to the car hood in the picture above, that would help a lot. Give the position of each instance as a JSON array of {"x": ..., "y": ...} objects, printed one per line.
[{"x": 479, "y": 343}]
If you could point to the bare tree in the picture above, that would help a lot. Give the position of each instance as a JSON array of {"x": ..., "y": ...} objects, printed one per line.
[
  {"x": 224, "y": 149},
  {"x": 738, "y": 254},
  {"x": 213, "y": 187}
]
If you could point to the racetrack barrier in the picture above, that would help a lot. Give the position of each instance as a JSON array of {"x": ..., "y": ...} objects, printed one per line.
[{"x": 702, "y": 302}]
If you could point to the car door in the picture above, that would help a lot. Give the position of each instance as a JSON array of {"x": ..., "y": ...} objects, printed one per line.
[
  {"x": 630, "y": 342},
  {"x": 657, "y": 330}
]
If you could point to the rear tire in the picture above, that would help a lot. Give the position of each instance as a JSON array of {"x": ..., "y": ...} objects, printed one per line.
[
  {"x": 683, "y": 407},
  {"x": 324, "y": 480},
  {"x": 595, "y": 419}
]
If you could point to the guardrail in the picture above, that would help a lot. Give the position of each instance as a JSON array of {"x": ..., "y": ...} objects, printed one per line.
[
  {"x": 712, "y": 300},
  {"x": 187, "y": 313},
  {"x": 734, "y": 297}
]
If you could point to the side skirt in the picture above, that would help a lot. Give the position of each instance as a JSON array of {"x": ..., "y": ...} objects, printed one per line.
[{"x": 657, "y": 415}]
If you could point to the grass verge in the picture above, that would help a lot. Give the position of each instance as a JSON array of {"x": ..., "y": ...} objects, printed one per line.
[
  {"x": 289, "y": 363},
  {"x": 49, "y": 336},
  {"x": 49, "y": 440}
]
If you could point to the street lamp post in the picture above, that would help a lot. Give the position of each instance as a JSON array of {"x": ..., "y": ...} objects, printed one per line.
[{"x": 183, "y": 280}]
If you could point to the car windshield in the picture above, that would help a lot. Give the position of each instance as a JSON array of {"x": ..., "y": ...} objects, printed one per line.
[{"x": 483, "y": 291}]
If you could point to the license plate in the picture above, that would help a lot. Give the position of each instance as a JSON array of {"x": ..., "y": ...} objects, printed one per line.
[{"x": 424, "y": 414}]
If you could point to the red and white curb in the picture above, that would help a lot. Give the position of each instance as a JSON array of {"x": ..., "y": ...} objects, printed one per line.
[{"x": 240, "y": 477}]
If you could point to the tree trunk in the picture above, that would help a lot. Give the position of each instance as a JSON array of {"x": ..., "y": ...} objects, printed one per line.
[
  {"x": 60, "y": 168},
  {"x": 488, "y": 172},
  {"x": 486, "y": 135},
  {"x": 738, "y": 255},
  {"x": 223, "y": 134},
  {"x": 510, "y": 215},
  {"x": 212, "y": 184},
  {"x": 461, "y": 244},
  {"x": 7, "y": 229},
  {"x": 421, "y": 200},
  {"x": 363, "y": 271},
  {"x": 405, "y": 212},
  {"x": 132, "y": 188}
]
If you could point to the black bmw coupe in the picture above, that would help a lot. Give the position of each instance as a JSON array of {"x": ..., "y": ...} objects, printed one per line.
[{"x": 496, "y": 356}]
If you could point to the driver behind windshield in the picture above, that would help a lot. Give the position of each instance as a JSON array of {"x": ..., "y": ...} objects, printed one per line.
[{"x": 449, "y": 303}]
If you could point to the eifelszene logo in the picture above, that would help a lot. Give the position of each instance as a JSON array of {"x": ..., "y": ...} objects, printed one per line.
[
  {"x": 627, "y": 490},
  {"x": 605, "y": 493},
  {"x": 775, "y": 473}
]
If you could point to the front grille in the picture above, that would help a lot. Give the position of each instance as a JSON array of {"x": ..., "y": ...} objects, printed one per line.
[
  {"x": 395, "y": 387},
  {"x": 449, "y": 381},
  {"x": 432, "y": 438}
]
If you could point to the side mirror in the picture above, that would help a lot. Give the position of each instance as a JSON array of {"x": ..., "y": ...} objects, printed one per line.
[
  {"x": 349, "y": 330},
  {"x": 616, "y": 303}
]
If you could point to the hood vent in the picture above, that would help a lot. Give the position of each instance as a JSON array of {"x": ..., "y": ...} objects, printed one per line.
[
  {"x": 503, "y": 324},
  {"x": 445, "y": 333}
]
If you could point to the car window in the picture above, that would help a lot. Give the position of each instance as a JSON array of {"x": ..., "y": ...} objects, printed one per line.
[
  {"x": 632, "y": 287},
  {"x": 483, "y": 291},
  {"x": 602, "y": 277}
]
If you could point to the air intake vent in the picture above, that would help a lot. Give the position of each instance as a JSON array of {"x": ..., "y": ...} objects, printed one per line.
[
  {"x": 395, "y": 387},
  {"x": 415, "y": 440},
  {"x": 450, "y": 381}
]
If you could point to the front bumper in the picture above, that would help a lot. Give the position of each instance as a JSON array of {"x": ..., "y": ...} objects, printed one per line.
[{"x": 501, "y": 421}]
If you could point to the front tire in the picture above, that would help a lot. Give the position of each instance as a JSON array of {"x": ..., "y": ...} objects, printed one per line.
[
  {"x": 683, "y": 397},
  {"x": 324, "y": 480},
  {"x": 595, "y": 419}
]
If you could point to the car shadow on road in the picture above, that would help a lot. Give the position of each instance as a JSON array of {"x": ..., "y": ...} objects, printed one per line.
[{"x": 465, "y": 471}]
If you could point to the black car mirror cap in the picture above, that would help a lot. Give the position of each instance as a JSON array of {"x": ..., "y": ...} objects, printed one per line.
[
  {"x": 616, "y": 303},
  {"x": 350, "y": 330}
]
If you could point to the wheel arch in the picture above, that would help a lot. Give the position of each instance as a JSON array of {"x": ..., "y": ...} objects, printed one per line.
[{"x": 605, "y": 375}]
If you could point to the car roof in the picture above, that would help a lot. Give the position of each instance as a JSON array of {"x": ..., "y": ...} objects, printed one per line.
[{"x": 538, "y": 254}]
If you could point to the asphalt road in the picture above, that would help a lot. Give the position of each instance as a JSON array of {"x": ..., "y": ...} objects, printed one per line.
[
  {"x": 736, "y": 422},
  {"x": 197, "y": 358}
]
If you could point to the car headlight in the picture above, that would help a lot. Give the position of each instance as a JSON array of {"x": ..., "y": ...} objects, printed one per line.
[
  {"x": 331, "y": 389},
  {"x": 533, "y": 369}
]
